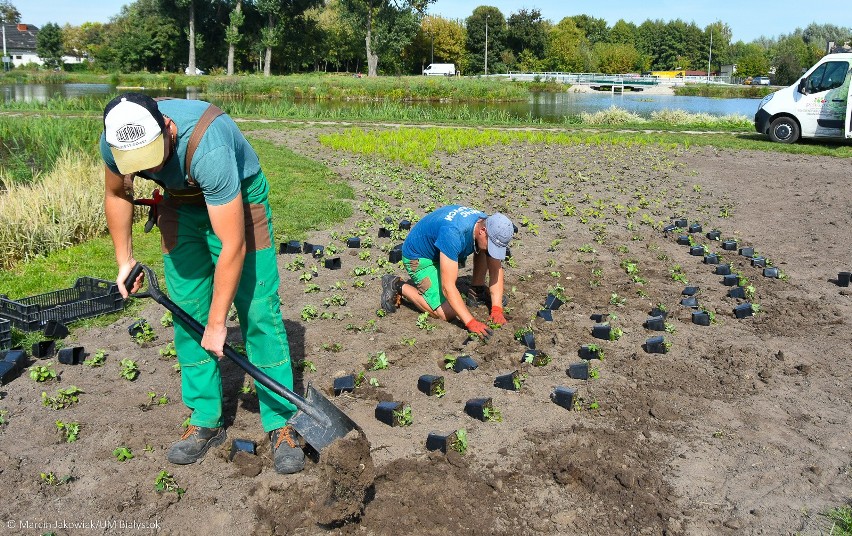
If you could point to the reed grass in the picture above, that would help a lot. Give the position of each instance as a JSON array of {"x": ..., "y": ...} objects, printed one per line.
[{"x": 723, "y": 92}]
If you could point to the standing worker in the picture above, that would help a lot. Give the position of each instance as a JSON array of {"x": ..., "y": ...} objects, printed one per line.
[
  {"x": 431, "y": 255},
  {"x": 216, "y": 228}
]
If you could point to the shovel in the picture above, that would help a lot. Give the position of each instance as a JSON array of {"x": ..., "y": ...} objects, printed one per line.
[{"x": 317, "y": 420}]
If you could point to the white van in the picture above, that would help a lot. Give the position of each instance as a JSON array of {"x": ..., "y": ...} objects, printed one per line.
[
  {"x": 817, "y": 106},
  {"x": 442, "y": 69}
]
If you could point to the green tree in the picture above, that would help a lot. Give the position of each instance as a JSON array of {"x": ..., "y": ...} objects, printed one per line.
[
  {"x": 566, "y": 46},
  {"x": 820, "y": 34},
  {"x": 9, "y": 14},
  {"x": 49, "y": 46},
  {"x": 379, "y": 19},
  {"x": 493, "y": 19},
  {"x": 526, "y": 30},
  {"x": 753, "y": 64},
  {"x": 721, "y": 54},
  {"x": 614, "y": 58},
  {"x": 595, "y": 30},
  {"x": 140, "y": 37},
  {"x": 340, "y": 43},
  {"x": 787, "y": 70},
  {"x": 232, "y": 33},
  {"x": 189, "y": 5},
  {"x": 622, "y": 32},
  {"x": 443, "y": 36}
]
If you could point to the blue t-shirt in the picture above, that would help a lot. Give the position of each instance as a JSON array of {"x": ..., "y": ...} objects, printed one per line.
[
  {"x": 223, "y": 159},
  {"x": 447, "y": 230}
]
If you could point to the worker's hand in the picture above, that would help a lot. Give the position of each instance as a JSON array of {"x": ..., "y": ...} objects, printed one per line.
[
  {"x": 497, "y": 315},
  {"x": 478, "y": 328},
  {"x": 214, "y": 339},
  {"x": 123, "y": 274}
]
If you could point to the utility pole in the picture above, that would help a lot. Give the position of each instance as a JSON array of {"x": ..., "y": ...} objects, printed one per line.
[
  {"x": 486, "y": 43},
  {"x": 433, "y": 46}
]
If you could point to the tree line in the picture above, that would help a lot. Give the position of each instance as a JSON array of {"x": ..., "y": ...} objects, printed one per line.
[{"x": 397, "y": 37}]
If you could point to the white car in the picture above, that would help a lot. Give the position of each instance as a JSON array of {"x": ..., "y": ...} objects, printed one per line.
[
  {"x": 760, "y": 81},
  {"x": 197, "y": 71}
]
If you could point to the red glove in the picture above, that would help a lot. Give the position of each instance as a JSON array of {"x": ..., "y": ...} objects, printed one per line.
[
  {"x": 497, "y": 315},
  {"x": 477, "y": 327}
]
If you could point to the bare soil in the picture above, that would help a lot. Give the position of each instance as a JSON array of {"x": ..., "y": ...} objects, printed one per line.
[{"x": 742, "y": 427}]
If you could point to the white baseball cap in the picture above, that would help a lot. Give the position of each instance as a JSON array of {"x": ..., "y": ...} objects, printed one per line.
[{"x": 133, "y": 126}]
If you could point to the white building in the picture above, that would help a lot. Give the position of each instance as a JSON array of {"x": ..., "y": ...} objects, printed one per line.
[{"x": 19, "y": 44}]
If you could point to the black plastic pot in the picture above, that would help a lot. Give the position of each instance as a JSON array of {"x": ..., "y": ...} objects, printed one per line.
[
  {"x": 384, "y": 232},
  {"x": 464, "y": 362},
  {"x": 758, "y": 262},
  {"x": 743, "y": 310},
  {"x": 16, "y": 357},
  {"x": 773, "y": 272},
  {"x": 729, "y": 245},
  {"x": 695, "y": 228},
  {"x": 552, "y": 302},
  {"x": 691, "y": 301},
  {"x": 599, "y": 317},
  {"x": 405, "y": 225},
  {"x": 683, "y": 240},
  {"x": 731, "y": 280},
  {"x": 353, "y": 242},
  {"x": 431, "y": 384},
  {"x": 475, "y": 407},
  {"x": 697, "y": 251},
  {"x": 385, "y": 412},
  {"x": 546, "y": 314},
  {"x": 508, "y": 381},
  {"x": 293, "y": 246},
  {"x": 508, "y": 249},
  {"x": 578, "y": 371},
  {"x": 656, "y": 311},
  {"x": 138, "y": 327},
  {"x": 701, "y": 318},
  {"x": 43, "y": 349},
  {"x": 333, "y": 263},
  {"x": 843, "y": 279},
  {"x": 711, "y": 258},
  {"x": 344, "y": 384},
  {"x": 680, "y": 222},
  {"x": 8, "y": 371},
  {"x": 601, "y": 331},
  {"x": 737, "y": 292},
  {"x": 536, "y": 358},
  {"x": 71, "y": 356},
  {"x": 655, "y": 323},
  {"x": 55, "y": 329},
  {"x": 655, "y": 345},
  {"x": 690, "y": 291},
  {"x": 588, "y": 353},
  {"x": 307, "y": 247},
  {"x": 747, "y": 252},
  {"x": 318, "y": 251},
  {"x": 722, "y": 269},
  {"x": 437, "y": 441},
  {"x": 669, "y": 228},
  {"x": 564, "y": 396},
  {"x": 715, "y": 234},
  {"x": 528, "y": 339},
  {"x": 242, "y": 445},
  {"x": 395, "y": 254}
]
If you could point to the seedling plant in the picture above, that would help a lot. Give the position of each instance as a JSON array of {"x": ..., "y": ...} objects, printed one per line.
[
  {"x": 145, "y": 334},
  {"x": 129, "y": 370},
  {"x": 165, "y": 482},
  {"x": 450, "y": 361},
  {"x": 403, "y": 416},
  {"x": 63, "y": 398},
  {"x": 70, "y": 430},
  {"x": 96, "y": 360},
  {"x": 460, "y": 443},
  {"x": 492, "y": 414},
  {"x": 42, "y": 373},
  {"x": 378, "y": 361},
  {"x": 122, "y": 454}
]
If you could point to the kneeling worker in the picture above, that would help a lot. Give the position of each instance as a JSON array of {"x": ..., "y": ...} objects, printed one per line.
[{"x": 431, "y": 255}]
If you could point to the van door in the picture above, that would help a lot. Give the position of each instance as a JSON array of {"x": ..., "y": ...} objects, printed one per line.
[
  {"x": 822, "y": 109},
  {"x": 848, "y": 122}
]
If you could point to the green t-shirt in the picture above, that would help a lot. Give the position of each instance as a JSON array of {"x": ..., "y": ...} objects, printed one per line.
[{"x": 223, "y": 159}]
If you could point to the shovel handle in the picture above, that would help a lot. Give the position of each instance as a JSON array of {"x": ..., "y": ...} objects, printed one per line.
[{"x": 260, "y": 376}]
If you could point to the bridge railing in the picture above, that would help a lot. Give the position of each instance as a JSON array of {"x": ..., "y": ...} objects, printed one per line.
[{"x": 606, "y": 79}]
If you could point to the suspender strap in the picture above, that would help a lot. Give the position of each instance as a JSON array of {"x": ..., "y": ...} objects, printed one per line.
[{"x": 209, "y": 115}]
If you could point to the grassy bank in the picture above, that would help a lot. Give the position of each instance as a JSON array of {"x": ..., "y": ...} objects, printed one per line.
[
  {"x": 723, "y": 92},
  {"x": 305, "y": 195}
]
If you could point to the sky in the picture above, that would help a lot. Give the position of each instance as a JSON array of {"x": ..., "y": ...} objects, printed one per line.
[{"x": 748, "y": 19}]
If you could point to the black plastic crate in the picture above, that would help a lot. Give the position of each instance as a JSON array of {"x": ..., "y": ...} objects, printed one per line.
[
  {"x": 5, "y": 334},
  {"x": 87, "y": 298}
]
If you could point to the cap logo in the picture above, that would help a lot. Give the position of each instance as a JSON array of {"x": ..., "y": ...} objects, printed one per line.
[{"x": 130, "y": 133}]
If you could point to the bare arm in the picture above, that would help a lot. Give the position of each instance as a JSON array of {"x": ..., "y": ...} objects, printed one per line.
[
  {"x": 449, "y": 275},
  {"x": 118, "y": 207},
  {"x": 495, "y": 281},
  {"x": 229, "y": 225}
]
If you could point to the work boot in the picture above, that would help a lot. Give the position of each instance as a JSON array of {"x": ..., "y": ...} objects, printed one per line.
[
  {"x": 391, "y": 290},
  {"x": 195, "y": 443},
  {"x": 480, "y": 295},
  {"x": 287, "y": 456}
]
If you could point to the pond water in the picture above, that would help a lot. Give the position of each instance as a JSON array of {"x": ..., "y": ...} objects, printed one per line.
[{"x": 549, "y": 107}]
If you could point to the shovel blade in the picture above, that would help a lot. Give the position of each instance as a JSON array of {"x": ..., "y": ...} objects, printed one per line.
[{"x": 316, "y": 433}]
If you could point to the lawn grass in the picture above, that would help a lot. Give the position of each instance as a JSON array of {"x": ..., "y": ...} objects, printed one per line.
[{"x": 841, "y": 518}]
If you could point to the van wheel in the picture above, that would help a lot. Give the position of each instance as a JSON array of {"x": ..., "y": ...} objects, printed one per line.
[{"x": 784, "y": 130}]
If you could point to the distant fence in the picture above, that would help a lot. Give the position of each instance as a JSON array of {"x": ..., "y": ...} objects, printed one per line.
[{"x": 615, "y": 79}]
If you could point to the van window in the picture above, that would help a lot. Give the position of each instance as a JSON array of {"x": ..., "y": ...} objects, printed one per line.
[{"x": 829, "y": 75}]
